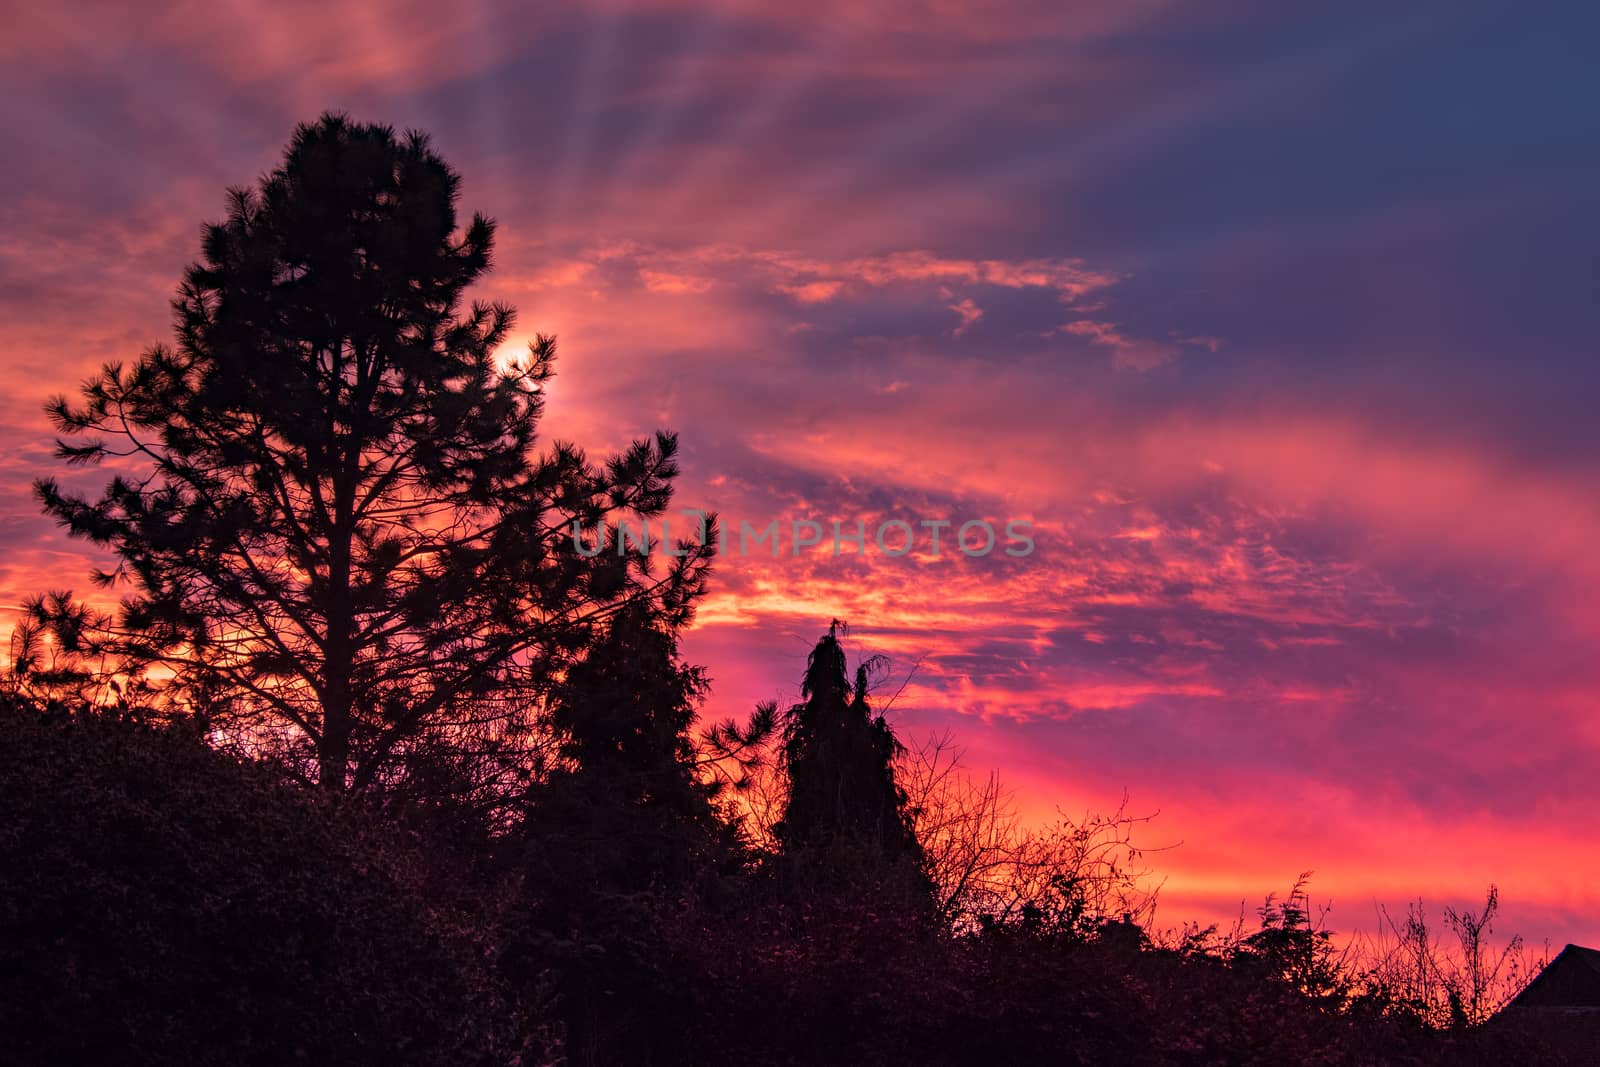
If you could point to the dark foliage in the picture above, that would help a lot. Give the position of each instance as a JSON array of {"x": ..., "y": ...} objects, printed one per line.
[
  {"x": 162, "y": 904},
  {"x": 338, "y": 539},
  {"x": 839, "y": 760},
  {"x": 623, "y": 715},
  {"x": 787, "y": 981},
  {"x": 616, "y": 843}
]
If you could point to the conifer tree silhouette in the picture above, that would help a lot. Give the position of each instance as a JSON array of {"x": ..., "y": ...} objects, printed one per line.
[
  {"x": 340, "y": 535},
  {"x": 840, "y": 763},
  {"x": 624, "y": 713}
]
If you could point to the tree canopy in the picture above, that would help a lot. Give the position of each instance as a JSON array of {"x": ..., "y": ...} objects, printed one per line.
[
  {"x": 336, "y": 535},
  {"x": 839, "y": 757}
]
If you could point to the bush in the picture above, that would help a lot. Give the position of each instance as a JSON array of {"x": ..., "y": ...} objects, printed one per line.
[{"x": 161, "y": 903}]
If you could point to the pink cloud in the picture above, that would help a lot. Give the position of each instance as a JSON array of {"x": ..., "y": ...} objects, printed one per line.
[
  {"x": 969, "y": 313},
  {"x": 1128, "y": 353}
]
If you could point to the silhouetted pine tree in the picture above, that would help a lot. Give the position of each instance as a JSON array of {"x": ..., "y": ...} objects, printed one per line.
[
  {"x": 840, "y": 763},
  {"x": 626, "y": 806},
  {"x": 342, "y": 538},
  {"x": 624, "y": 712},
  {"x": 619, "y": 841}
]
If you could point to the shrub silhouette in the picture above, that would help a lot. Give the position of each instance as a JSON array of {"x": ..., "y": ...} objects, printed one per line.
[{"x": 162, "y": 904}]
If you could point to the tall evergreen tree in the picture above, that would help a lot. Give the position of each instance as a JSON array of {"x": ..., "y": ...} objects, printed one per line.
[
  {"x": 335, "y": 530},
  {"x": 625, "y": 806},
  {"x": 624, "y": 713},
  {"x": 840, "y": 762},
  {"x": 621, "y": 841}
]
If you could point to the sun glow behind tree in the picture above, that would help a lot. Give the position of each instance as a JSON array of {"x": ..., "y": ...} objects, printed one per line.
[{"x": 345, "y": 536}]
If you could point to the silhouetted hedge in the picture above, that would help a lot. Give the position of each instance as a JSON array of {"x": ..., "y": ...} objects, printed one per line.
[{"x": 160, "y": 903}]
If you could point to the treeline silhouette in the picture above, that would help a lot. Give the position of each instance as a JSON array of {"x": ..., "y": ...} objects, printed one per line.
[{"x": 370, "y": 764}]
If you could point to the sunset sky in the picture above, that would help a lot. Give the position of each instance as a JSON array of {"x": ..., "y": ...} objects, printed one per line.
[{"x": 1275, "y": 320}]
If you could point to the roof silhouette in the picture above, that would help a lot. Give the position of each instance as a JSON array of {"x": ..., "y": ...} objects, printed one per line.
[{"x": 1571, "y": 981}]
